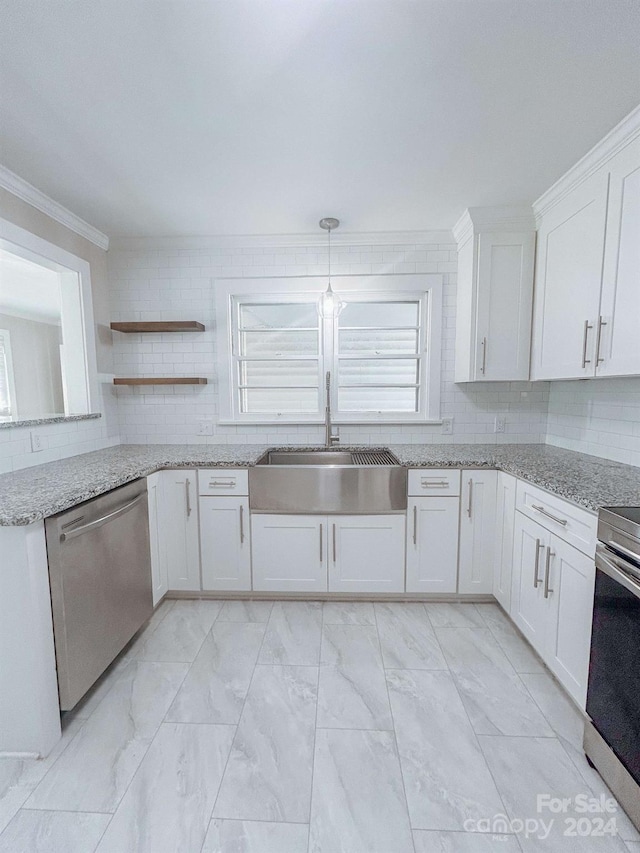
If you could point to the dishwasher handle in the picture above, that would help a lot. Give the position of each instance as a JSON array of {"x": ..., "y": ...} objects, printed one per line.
[{"x": 105, "y": 519}]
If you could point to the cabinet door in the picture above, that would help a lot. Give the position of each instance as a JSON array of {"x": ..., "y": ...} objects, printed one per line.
[
  {"x": 570, "y": 609},
  {"x": 505, "y": 519},
  {"x": 179, "y": 538},
  {"x": 619, "y": 353},
  {"x": 477, "y": 531},
  {"x": 289, "y": 553},
  {"x": 432, "y": 544},
  {"x": 158, "y": 552},
  {"x": 225, "y": 549},
  {"x": 367, "y": 553},
  {"x": 528, "y": 605},
  {"x": 503, "y": 303},
  {"x": 568, "y": 280}
]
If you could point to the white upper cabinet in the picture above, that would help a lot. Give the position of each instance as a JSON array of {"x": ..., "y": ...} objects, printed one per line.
[
  {"x": 495, "y": 292},
  {"x": 618, "y": 352},
  {"x": 568, "y": 275},
  {"x": 587, "y": 298}
]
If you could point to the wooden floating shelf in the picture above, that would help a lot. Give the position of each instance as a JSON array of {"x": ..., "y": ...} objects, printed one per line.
[
  {"x": 161, "y": 326},
  {"x": 161, "y": 380}
]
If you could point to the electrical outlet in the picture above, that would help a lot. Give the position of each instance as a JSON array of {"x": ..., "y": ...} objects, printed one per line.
[
  {"x": 447, "y": 426},
  {"x": 205, "y": 428},
  {"x": 499, "y": 425},
  {"x": 36, "y": 442}
]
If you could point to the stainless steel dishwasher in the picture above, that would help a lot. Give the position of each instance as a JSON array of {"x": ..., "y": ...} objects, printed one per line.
[{"x": 100, "y": 576}]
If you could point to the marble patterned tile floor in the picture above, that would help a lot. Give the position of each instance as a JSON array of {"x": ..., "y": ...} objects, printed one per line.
[{"x": 302, "y": 727}]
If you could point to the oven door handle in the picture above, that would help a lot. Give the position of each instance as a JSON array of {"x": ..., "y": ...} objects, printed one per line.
[{"x": 612, "y": 567}]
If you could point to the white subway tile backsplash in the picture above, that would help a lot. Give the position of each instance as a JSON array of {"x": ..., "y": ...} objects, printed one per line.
[{"x": 172, "y": 284}]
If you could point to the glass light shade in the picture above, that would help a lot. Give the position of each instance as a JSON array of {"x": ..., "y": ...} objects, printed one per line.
[{"x": 330, "y": 305}]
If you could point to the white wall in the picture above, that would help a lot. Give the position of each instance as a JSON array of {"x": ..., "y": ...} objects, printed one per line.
[
  {"x": 66, "y": 439},
  {"x": 152, "y": 280},
  {"x": 597, "y": 416}
]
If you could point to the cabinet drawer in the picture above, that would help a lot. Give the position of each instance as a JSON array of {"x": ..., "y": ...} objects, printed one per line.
[
  {"x": 223, "y": 481},
  {"x": 434, "y": 481},
  {"x": 575, "y": 525}
]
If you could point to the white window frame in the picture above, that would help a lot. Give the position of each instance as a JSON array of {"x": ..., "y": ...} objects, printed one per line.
[
  {"x": 80, "y": 376},
  {"x": 8, "y": 369},
  {"x": 426, "y": 287}
]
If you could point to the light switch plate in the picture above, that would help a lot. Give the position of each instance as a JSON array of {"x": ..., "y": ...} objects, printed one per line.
[
  {"x": 36, "y": 442},
  {"x": 499, "y": 424},
  {"x": 447, "y": 426}
]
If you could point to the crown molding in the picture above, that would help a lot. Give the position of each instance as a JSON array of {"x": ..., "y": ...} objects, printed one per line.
[
  {"x": 274, "y": 241},
  {"x": 27, "y": 192},
  {"x": 617, "y": 139},
  {"x": 499, "y": 218}
]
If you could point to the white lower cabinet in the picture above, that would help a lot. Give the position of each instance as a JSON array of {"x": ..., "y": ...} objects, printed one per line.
[
  {"x": 477, "y": 531},
  {"x": 367, "y": 553},
  {"x": 289, "y": 553},
  {"x": 503, "y": 549},
  {"x": 432, "y": 544},
  {"x": 571, "y": 581},
  {"x": 159, "y": 579},
  {"x": 316, "y": 553},
  {"x": 528, "y": 605},
  {"x": 225, "y": 544},
  {"x": 179, "y": 519},
  {"x": 552, "y": 602}
]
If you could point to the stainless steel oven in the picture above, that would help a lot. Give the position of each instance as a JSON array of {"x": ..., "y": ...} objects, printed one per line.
[{"x": 612, "y": 737}]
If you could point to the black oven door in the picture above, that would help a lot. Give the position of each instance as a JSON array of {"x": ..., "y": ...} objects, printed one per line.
[{"x": 613, "y": 696}]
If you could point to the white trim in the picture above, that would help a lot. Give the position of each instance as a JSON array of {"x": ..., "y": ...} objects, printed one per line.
[
  {"x": 27, "y": 192},
  {"x": 621, "y": 135},
  {"x": 16, "y": 237},
  {"x": 506, "y": 218},
  {"x": 8, "y": 367},
  {"x": 258, "y": 241},
  {"x": 397, "y": 285}
]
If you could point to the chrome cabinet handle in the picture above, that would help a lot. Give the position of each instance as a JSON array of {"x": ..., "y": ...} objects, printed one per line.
[
  {"x": 187, "y": 485},
  {"x": 334, "y": 543},
  {"x": 562, "y": 521},
  {"x": 483, "y": 367},
  {"x": 241, "y": 524},
  {"x": 321, "y": 527},
  {"x": 536, "y": 580},
  {"x": 601, "y": 323},
  {"x": 434, "y": 484},
  {"x": 585, "y": 360},
  {"x": 227, "y": 484},
  {"x": 415, "y": 524},
  {"x": 547, "y": 568},
  {"x": 470, "y": 503}
]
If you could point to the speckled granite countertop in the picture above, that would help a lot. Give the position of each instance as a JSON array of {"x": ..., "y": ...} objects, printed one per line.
[{"x": 34, "y": 493}]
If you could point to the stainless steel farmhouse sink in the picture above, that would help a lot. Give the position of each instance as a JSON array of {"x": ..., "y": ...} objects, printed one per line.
[{"x": 328, "y": 481}]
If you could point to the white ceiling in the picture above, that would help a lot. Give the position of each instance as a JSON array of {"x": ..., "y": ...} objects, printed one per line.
[{"x": 166, "y": 117}]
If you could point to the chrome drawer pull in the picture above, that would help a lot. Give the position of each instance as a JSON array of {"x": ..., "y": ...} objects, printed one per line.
[
  {"x": 585, "y": 360},
  {"x": 547, "y": 588},
  {"x": 187, "y": 485},
  {"x": 470, "y": 504},
  {"x": 415, "y": 524},
  {"x": 227, "y": 484},
  {"x": 434, "y": 483},
  {"x": 334, "y": 543},
  {"x": 483, "y": 368},
  {"x": 241, "y": 524},
  {"x": 536, "y": 579},
  {"x": 555, "y": 518},
  {"x": 321, "y": 527}
]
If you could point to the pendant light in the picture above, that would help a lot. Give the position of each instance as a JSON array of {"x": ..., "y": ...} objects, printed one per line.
[{"x": 329, "y": 305}]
